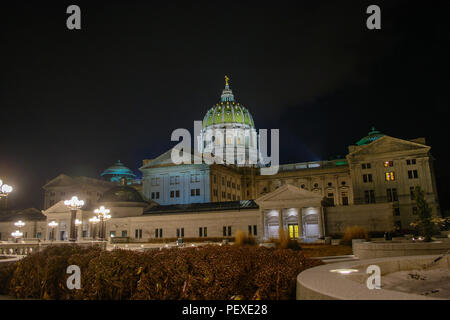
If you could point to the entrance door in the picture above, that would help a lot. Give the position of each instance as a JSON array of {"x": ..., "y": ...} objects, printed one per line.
[{"x": 293, "y": 231}]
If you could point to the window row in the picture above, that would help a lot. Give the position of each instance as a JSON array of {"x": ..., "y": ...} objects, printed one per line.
[
  {"x": 390, "y": 176},
  {"x": 389, "y": 163}
]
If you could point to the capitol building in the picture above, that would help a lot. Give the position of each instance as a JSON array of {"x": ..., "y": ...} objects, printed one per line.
[{"x": 371, "y": 187}]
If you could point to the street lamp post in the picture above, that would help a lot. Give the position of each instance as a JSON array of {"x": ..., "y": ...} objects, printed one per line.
[
  {"x": 4, "y": 191},
  {"x": 17, "y": 234},
  {"x": 74, "y": 204},
  {"x": 94, "y": 220},
  {"x": 78, "y": 223},
  {"x": 53, "y": 225},
  {"x": 103, "y": 215},
  {"x": 19, "y": 224}
]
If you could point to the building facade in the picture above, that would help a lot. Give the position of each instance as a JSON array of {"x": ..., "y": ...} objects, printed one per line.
[{"x": 371, "y": 187}]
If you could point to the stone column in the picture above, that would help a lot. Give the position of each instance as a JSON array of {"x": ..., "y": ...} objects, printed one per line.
[
  {"x": 72, "y": 226},
  {"x": 280, "y": 220},
  {"x": 321, "y": 226},
  {"x": 263, "y": 224},
  {"x": 300, "y": 223}
]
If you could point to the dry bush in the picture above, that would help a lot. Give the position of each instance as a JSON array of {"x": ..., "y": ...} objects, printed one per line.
[
  {"x": 244, "y": 239},
  {"x": 6, "y": 273},
  {"x": 353, "y": 232},
  {"x": 284, "y": 242},
  {"x": 209, "y": 272},
  {"x": 42, "y": 275}
]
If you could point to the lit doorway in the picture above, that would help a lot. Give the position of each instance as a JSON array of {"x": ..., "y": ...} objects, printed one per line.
[{"x": 293, "y": 231}]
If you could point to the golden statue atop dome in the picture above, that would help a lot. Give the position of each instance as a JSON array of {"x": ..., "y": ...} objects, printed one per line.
[{"x": 226, "y": 80}]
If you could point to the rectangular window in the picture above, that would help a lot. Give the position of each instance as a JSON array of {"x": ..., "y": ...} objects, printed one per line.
[
  {"x": 410, "y": 162},
  {"x": 140, "y": 233},
  {"x": 192, "y": 192},
  {"x": 229, "y": 231},
  {"x": 223, "y": 181},
  {"x": 413, "y": 174},
  {"x": 157, "y": 195},
  {"x": 397, "y": 212},
  {"x": 390, "y": 176},
  {"x": 124, "y": 233},
  {"x": 205, "y": 231},
  {"x": 255, "y": 230},
  {"x": 172, "y": 194},
  {"x": 112, "y": 234},
  {"x": 172, "y": 180},
  {"x": 369, "y": 196},
  {"x": 156, "y": 233},
  {"x": 224, "y": 231},
  {"x": 367, "y": 177},
  {"x": 365, "y": 166},
  {"x": 177, "y": 180},
  {"x": 200, "y": 232},
  {"x": 249, "y": 230},
  {"x": 136, "y": 233},
  {"x": 177, "y": 193},
  {"x": 389, "y": 163},
  {"x": 392, "y": 195},
  {"x": 239, "y": 187},
  {"x": 214, "y": 178},
  {"x": 160, "y": 233},
  {"x": 197, "y": 192},
  {"x": 233, "y": 185},
  {"x": 229, "y": 196}
]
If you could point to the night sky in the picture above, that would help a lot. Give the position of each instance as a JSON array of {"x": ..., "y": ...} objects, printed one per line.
[{"x": 74, "y": 102}]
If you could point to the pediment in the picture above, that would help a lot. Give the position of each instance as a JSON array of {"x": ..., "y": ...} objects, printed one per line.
[
  {"x": 288, "y": 193},
  {"x": 164, "y": 160},
  {"x": 60, "y": 181},
  {"x": 389, "y": 144},
  {"x": 58, "y": 207}
]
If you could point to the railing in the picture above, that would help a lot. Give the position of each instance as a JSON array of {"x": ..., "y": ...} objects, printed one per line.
[{"x": 28, "y": 248}]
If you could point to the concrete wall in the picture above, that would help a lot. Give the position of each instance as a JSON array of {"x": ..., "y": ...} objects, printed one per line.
[
  {"x": 372, "y": 217},
  {"x": 191, "y": 222}
]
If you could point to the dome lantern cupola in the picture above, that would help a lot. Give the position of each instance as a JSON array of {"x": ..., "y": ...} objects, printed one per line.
[
  {"x": 371, "y": 136},
  {"x": 117, "y": 171}
]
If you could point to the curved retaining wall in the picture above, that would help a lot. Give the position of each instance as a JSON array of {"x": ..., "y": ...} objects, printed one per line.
[
  {"x": 319, "y": 283},
  {"x": 371, "y": 250}
]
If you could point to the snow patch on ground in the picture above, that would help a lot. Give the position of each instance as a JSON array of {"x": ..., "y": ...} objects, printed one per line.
[{"x": 432, "y": 283}]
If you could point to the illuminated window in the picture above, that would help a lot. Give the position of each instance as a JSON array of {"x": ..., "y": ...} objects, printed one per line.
[
  {"x": 389, "y": 163},
  {"x": 390, "y": 176}
]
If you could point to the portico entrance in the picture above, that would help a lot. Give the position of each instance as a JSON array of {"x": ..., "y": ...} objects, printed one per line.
[{"x": 297, "y": 211}]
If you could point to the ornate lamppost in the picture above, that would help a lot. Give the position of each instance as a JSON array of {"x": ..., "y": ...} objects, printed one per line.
[
  {"x": 103, "y": 215},
  {"x": 4, "y": 191},
  {"x": 78, "y": 223},
  {"x": 17, "y": 234},
  {"x": 19, "y": 224},
  {"x": 53, "y": 225},
  {"x": 74, "y": 204},
  {"x": 94, "y": 220}
]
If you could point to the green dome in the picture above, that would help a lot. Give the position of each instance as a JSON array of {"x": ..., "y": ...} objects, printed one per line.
[
  {"x": 371, "y": 136},
  {"x": 118, "y": 171},
  {"x": 228, "y": 111}
]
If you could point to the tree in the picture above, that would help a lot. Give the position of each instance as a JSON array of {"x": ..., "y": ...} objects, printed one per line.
[{"x": 426, "y": 222}]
